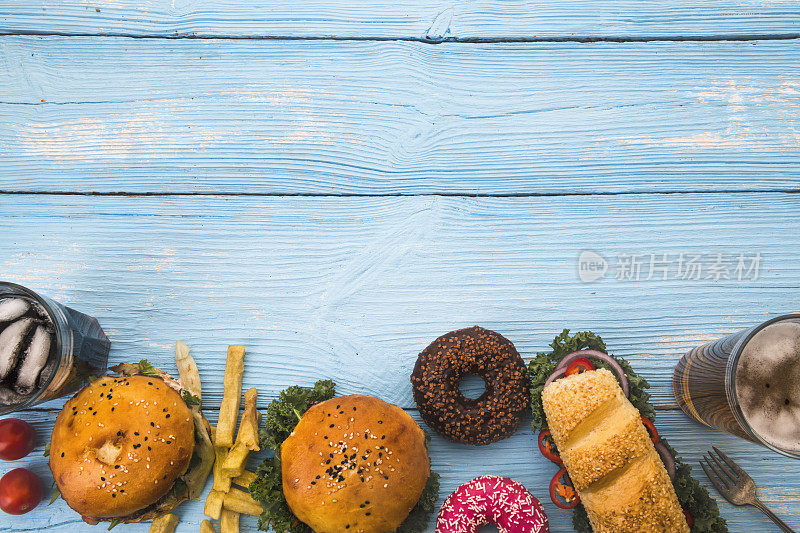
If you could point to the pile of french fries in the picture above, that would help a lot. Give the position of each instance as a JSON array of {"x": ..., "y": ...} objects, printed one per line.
[{"x": 225, "y": 502}]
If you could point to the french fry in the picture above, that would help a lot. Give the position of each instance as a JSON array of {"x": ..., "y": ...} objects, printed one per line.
[
  {"x": 248, "y": 427},
  {"x": 229, "y": 521},
  {"x": 241, "y": 502},
  {"x": 207, "y": 527},
  {"x": 214, "y": 502},
  {"x": 235, "y": 461},
  {"x": 187, "y": 369},
  {"x": 164, "y": 524},
  {"x": 245, "y": 478},
  {"x": 222, "y": 481},
  {"x": 231, "y": 397}
]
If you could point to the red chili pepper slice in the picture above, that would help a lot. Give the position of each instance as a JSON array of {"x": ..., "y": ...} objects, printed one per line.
[
  {"x": 689, "y": 518},
  {"x": 579, "y": 366},
  {"x": 562, "y": 492},
  {"x": 548, "y": 447},
  {"x": 650, "y": 429}
]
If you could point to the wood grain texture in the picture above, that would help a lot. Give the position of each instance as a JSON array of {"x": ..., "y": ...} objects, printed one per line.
[
  {"x": 336, "y": 117},
  {"x": 441, "y": 19},
  {"x": 355, "y": 288}
]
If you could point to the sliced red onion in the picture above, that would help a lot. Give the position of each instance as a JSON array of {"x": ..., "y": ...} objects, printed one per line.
[
  {"x": 667, "y": 459},
  {"x": 570, "y": 357},
  {"x": 558, "y": 373},
  {"x": 596, "y": 354}
]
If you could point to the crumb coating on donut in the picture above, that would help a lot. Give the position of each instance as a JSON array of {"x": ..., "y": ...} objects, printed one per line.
[
  {"x": 119, "y": 445},
  {"x": 493, "y": 416}
]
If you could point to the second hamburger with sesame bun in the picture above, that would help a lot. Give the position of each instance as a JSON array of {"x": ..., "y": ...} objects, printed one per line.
[
  {"x": 347, "y": 464},
  {"x": 131, "y": 447}
]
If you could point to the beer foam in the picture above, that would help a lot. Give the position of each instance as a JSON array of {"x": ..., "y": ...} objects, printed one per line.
[{"x": 768, "y": 384}]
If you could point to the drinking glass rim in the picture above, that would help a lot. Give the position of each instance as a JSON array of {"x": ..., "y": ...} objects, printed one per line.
[
  {"x": 41, "y": 300},
  {"x": 730, "y": 381}
]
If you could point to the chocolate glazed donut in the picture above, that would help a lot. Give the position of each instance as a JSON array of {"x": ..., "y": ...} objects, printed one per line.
[{"x": 494, "y": 415}]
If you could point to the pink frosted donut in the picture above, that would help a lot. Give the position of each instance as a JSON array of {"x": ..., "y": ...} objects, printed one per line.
[{"x": 494, "y": 499}]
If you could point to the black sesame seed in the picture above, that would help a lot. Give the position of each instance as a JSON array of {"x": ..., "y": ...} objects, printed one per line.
[
  {"x": 62, "y": 454},
  {"x": 368, "y": 513},
  {"x": 149, "y": 449},
  {"x": 152, "y": 424},
  {"x": 136, "y": 433},
  {"x": 113, "y": 495},
  {"x": 167, "y": 415},
  {"x": 169, "y": 442},
  {"x": 102, "y": 478},
  {"x": 116, "y": 467},
  {"x": 331, "y": 425}
]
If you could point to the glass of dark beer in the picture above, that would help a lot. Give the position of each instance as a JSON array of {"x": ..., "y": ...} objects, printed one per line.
[
  {"x": 747, "y": 384},
  {"x": 47, "y": 349}
]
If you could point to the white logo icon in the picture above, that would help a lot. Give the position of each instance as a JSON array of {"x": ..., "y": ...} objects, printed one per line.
[{"x": 591, "y": 266}]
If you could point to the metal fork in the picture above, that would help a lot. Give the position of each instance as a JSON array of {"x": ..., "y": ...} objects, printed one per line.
[{"x": 736, "y": 485}]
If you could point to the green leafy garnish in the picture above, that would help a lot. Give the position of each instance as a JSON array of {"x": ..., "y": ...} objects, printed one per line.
[
  {"x": 189, "y": 398},
  {"x": 114, "y": 523},
  {"x": 691, "y": 495},
  {"x": 268, "y": 489},
  {"x": 420, "y": 515},
  {"x": 54, "y": 493},
  {"x": 146, "y": 369},
  {"x": 46, "y": 452},
  {"x": 284, "y": 413}
]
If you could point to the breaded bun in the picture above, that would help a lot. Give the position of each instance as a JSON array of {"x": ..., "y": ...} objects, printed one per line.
[
  {"x": 609, "y": 456},
  {"x": 119, "y": 445},
  {"x": 354, "y": 464}
]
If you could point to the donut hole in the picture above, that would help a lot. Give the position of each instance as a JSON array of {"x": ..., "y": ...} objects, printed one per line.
[
  {"x": 491, "y": 527},
  {"x": 472, "y": 386}
]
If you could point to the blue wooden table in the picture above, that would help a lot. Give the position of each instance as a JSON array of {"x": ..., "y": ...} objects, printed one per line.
[{"x": 335, "y": 184}]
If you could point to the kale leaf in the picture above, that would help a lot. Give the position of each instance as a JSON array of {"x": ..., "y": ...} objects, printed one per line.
[
  {"x": 268, "y": 490},
  {"x": 146, "y": 369},
  {"x": 189, "y": 398},
  {"x": 284, "y": 413},
  {"x": 691, "y": 495},
  {"x": 420, "y": 515}
]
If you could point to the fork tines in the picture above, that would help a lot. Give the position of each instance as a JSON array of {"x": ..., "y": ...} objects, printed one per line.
[{"x": 723, "y": 473}]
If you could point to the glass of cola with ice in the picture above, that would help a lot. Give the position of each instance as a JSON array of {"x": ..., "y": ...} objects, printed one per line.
[{"x": 47, "y": 350}]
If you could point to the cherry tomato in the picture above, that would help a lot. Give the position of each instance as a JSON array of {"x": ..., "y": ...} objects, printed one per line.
[
  {"x": 17, "y": 439},
  {"x": 650, "y": 429},
  {"x": 579, "y": 366},
  {"x": 20, "y": 491},
  {"x": 689, "y": 518},
  {"x": 562, "y": 492},
  {"x": 548, "y": 447}
]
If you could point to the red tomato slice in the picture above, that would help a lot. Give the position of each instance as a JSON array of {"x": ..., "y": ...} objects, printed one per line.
[
  {"x": 562, "y": 492},
  {"x": 579, "y": 366},
  {"x": 548, "y": 447},
  {"x": 650, "y": 429},
  {"x": 689, "y": 518}
]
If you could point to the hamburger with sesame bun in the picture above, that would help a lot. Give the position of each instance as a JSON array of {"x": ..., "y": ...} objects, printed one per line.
[
  {"x": 350, "y": 464},
  {"x": 130, "y": 448}
]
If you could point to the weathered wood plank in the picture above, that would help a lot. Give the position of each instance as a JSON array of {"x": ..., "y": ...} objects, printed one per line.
[
  {"x": 402, "y": 19},
  {"x": 354, "y": 288},
  {"x": 516, "y": 457},
  {"x": 333, "y": 117}
]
